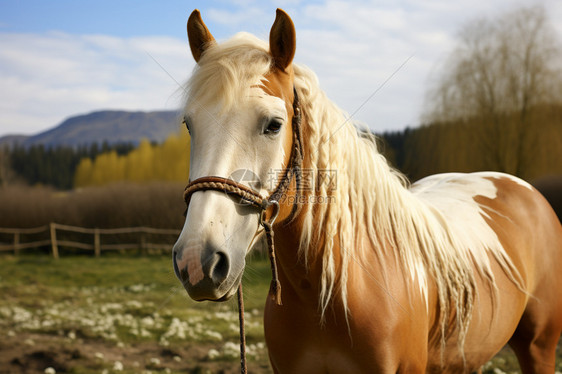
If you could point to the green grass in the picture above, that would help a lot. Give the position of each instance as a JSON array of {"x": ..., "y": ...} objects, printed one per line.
[
  {"x": 126, "y": 301},
  {"x": 132, "y": 309}
]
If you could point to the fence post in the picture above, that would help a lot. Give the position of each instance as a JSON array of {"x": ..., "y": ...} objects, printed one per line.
[
  {"x": 16, "y": 243},
  {"x": 54, "y": 245},
  {"x": 97, "y": 246}
]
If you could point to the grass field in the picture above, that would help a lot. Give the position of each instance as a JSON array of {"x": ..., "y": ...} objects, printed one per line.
[
  {"x": 129, "y": 314},
  {"x": 87, "y": 315}
]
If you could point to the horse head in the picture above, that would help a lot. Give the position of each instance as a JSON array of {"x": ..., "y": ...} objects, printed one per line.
[{"x": 239, "y": 112}]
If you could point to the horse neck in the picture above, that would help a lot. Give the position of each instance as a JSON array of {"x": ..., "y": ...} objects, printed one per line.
[
  {"x": 317, "y": 257},
  {"x": 299, "y": 271}
]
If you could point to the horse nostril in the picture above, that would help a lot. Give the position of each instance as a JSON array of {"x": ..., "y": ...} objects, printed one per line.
[{"x": 219, "y": 267}]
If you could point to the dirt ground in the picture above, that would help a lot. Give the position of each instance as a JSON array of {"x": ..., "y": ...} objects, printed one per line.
[
  {"x": 128, "y": 315},
  {"x": 34, "y": 353}
]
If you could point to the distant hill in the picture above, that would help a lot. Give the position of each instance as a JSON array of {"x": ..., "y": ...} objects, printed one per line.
[
  {"x": 10, "y": 140},
  {"x": 104, "y": 126}
]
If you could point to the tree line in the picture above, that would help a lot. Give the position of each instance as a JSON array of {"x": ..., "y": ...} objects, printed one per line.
[
  {"x": 494, "y": 105},
  {"x": 456, "y": 146},
  {"x": 501, "y": 91},
  {"x": 51, "y": 166},
  {"x": 168, "y": 161}
]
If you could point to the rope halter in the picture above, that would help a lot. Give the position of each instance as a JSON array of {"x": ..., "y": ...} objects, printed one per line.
[
  {"x": 231, "y": 187},
  {"x": 256, "y": 200}
]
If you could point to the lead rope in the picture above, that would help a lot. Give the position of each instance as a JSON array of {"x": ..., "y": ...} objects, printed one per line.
[
  {"x": 243, "y": 367},
  {"x": 274, "y": 288},
  {"x": 229, "y": 186}
]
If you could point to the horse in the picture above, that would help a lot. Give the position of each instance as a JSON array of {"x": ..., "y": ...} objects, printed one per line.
[{"x": 377, "y": 276}]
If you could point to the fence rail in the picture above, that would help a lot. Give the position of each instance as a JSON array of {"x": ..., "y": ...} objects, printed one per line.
[{"x": 96, "y": 244}]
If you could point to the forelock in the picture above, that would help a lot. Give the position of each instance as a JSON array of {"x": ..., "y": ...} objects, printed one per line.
[{"x": 226, "y": 72}]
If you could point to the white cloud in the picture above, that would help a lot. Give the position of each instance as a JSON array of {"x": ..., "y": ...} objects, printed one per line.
[
  {"x": 46, "y": 78},
  {"x": 353, "y": 46},
  {"x": 237, "y": 18}
]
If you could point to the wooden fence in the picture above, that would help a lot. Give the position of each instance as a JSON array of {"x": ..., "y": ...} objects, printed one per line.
[{"x": 96, "y": 244}]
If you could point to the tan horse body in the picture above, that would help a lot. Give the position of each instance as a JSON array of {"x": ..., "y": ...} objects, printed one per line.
[
  {"x": 382, "y": 316},
  {"x": 391, "y": 331}
]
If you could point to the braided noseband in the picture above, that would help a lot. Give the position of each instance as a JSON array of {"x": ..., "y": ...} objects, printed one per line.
[{"x": 254, "y": 199}]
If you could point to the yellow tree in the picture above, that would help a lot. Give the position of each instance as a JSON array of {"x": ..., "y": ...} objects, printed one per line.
[
  {"x": 139, "y": 165},
  {"x": 83, "y": 174},
  {"x": 148, "y": 162},
  {"x": 171, "y": 158}
]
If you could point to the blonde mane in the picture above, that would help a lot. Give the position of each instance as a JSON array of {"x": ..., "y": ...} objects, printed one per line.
[{"x": 372, "y": 208}]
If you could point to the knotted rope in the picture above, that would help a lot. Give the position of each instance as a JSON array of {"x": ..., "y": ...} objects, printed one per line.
[{"x": 253, "y": 198}]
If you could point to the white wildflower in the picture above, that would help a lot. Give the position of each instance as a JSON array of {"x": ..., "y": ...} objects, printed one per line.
[
  {"x": 136, "y": 288},
  {"x": 134, "y": 304},
  {"x": 212, "y": 354},
  {"x": 20, "y": 314},
  {"x": 47, "y": 323},
  {"x": 213, "y": 334},
  {"x": 50, "y": 370},
  {"x": 231, "y": 350},
  {"x": 227, "y": 316},
  {"x": 177, "y": 329},
  {"x": 145, "y": 333},
  {"x": 155, "y": 361},
  {"x": 118, "y": 366}
]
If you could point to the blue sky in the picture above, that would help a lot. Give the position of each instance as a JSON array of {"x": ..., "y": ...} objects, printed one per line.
[
  {"x": 62, "y": 58},
  {"x": 119, "y": 18}
]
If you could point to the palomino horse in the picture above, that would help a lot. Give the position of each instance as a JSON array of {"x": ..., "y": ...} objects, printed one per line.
[{"x": 376, "y": 277}]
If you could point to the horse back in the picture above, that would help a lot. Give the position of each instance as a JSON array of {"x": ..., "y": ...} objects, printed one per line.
[{"x": 526, "y": 285}]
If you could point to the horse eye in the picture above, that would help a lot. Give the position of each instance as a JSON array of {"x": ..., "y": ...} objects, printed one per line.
[{"x": 273, "y": 127}]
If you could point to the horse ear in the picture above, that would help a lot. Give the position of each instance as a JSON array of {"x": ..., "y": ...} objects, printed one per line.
[
  {"x": 282, "y": 40},
  {"x": 199, "y": 36}
]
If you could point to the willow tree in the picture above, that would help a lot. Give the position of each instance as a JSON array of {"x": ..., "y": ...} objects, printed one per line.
[{"x": 500, "y": 74}]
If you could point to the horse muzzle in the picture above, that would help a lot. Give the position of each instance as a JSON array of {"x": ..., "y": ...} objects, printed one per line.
[{"x": 206, "y": 271}]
